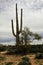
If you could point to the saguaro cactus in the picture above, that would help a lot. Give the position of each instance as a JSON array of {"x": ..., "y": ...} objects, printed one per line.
[{"x": 17, "y": 27}]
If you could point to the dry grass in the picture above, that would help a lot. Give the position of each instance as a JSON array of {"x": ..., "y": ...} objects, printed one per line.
[{"x": 17, "y": 58}]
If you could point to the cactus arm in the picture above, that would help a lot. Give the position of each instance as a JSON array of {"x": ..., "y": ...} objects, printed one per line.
[
  {"x": 13, "y": 28},
  {"x": 21, "y": 22}
]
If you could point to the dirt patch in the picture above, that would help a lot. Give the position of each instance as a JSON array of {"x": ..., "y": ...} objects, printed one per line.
[{"x": 17, "y": 58}]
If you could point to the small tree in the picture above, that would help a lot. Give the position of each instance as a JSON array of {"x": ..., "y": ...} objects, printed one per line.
[
  {"x": 37, "y": 36},
  {"x": 29, "y": 36}
]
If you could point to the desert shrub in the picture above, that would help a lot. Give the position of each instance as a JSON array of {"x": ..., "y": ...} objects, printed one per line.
[
  {"x": 21, "y": 50},
  {"x": 9, "y": 63},
  {"x": 40, "y": 64},
  {"x": 2, "y": 48},
  {"x": 35, "y": 48},
  {"x": 28, "y": 49},
  {"x": 17, "y": 50},
  {"x": 25, "y": 59},
  {"x": 24, "y": 49},
  {"x": 39, "y": 56},
  {"x": 10, "y": 52},
  {"x": 24, "y": 63},
  {"x": 2, "y": 58}
]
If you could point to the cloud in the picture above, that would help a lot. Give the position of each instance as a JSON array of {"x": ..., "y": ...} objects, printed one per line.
[
  {"x": 4, "y": 4},
  {"x": 32, "y": 14},
  {"x": 37, "y": 5}
]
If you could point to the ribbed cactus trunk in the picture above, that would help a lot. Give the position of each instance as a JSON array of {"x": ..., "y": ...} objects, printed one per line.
[
  {"x": 17, "y": 27},
  {"x": 17, "y": 40}
]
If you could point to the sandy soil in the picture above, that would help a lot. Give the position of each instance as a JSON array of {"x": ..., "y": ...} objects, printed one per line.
[{"x": 17, "y": 58}]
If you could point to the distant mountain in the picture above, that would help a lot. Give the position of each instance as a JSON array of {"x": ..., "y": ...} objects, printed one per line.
[
  {"x": 12, "y": 39},
  {"x": 7, "y": 40}
]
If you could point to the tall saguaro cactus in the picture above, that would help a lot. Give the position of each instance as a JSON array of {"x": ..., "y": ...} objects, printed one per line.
[{"x": 17, "y": 27}]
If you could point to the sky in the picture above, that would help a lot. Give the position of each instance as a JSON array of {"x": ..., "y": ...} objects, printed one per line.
[{"x": 32, "y": 16}]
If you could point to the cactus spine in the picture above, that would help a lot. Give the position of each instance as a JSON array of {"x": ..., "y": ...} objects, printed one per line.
[{"x": 17, "y": 27}]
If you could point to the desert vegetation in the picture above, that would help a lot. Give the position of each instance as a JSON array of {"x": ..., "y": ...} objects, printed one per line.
[
  {"x": 22, "y": 53},
  {"x": 25, "y": 61}
]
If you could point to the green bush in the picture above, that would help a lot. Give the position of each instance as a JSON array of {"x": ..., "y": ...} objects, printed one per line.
[
  {"x": 9, "y": 63},
  {"x": 10, "y": 50},
  {"x": 2, "y": 48},
  {"x": 21, "y": 50},
  {"x": 24, "y": 63},
  {"x": 39, "y": 56},
  {"x": 25, "y": 59}
]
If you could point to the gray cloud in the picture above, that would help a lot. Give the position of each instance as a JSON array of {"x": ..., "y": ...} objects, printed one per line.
[
  {"x": 4, "y": 4},
  {"x": 29, "y": 4},
  {"x": 37, "y": 4},
  {"x": 32, "y": 14}
]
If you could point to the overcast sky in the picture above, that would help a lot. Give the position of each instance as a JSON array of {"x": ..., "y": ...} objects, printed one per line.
[{"x": 32, "y": 15}]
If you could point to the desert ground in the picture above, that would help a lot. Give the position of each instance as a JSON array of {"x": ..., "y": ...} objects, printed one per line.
[{"x": 15, "y": 59}]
